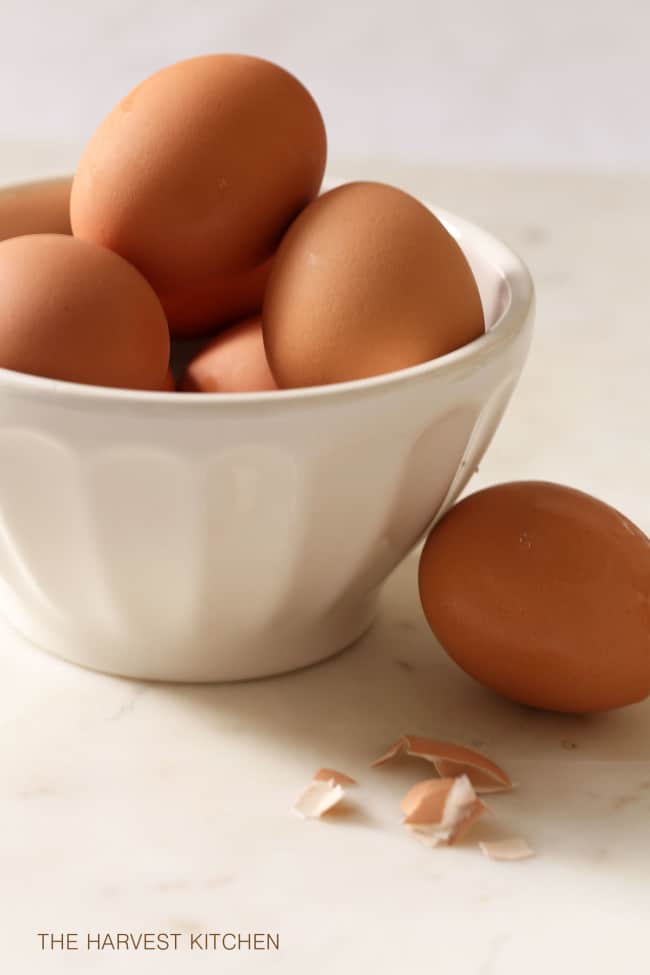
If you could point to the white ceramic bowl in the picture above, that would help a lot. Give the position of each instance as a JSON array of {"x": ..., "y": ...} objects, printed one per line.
[{"x": 211, "y": 537}]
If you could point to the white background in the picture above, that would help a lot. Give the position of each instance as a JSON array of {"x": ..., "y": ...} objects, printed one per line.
[{"x": 499, "y": 82}]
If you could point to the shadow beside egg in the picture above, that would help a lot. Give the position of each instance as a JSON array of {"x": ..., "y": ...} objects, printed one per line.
[{"x": 345, "y": 711}]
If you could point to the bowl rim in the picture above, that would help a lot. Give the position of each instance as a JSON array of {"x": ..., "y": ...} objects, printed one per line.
[{"x": 512, "y": 321}]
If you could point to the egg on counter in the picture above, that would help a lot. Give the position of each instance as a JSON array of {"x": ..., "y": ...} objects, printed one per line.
[
  {"x": 72, "y": 310},
  {"x": 366, "y": 281},
  {"x": 542, "y": 593},
  {"x": 42, "y": 207},
  {"x": 220, "y": 300},
  {"x": 196, "y": 174},
  {"x": 233, "y": 362}
]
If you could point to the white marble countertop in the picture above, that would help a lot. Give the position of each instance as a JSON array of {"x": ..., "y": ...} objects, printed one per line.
[{"x": 137, "y": 807}]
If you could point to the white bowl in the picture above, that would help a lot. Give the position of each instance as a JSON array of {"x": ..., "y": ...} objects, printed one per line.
[{"x": 217, "y": 537}]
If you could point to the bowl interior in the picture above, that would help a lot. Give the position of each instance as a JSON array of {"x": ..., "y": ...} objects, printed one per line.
[
  {"x": 506, "y": 292},
  {"x": 492, "y": 284}
]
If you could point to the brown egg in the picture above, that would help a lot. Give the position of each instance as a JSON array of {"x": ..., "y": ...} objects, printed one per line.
[
  {"x": 42, "y": 207},
  {"x": 542, "y": 593},
  {"x": 197, "y": 173},
  {"x": 73, "y": 310},
  {"x": 221, "y": 300},
  {"x": 169, "y": 383},
  {"x": 233, "y": 362},
  {"x": 366, "y": 281}
]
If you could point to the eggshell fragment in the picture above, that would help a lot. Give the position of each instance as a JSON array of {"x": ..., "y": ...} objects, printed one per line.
[
  {"x": 42, "y": 207},
  {"x": 318, "y": 798},
  {"x": 450, "y": 760},
  {"x": 424, "y": 803},
  {"x": 431, "y": 836},
  {"x": 331, "y": 775},
  {"x": 366, "y": 281},
  {"x": 442, "y": 810},
  {"x": 542, "y": 593},
  {"x": 514, "y": 848},
  {"x": 323, "y": 793},
  {"x": 233, "y": 362}
]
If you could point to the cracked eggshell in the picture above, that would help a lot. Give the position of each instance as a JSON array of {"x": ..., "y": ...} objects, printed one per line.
[
  {"x": 442, "y": 809},
  {"x": 196, "y": 174},
  {"x": 542, "y": 593},
  {"x": 431, "y": 836},
  {"x": 450, "y": 760},
  {"x": 318, "y": 798},
  {"x": 425, "y": 801},
  {"x": 331, "y": 775}
]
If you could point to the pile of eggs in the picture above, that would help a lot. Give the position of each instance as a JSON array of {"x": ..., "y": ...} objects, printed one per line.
[{"x": 195, "y": 212}]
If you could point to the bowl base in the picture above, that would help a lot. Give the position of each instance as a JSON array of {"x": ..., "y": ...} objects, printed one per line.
[{"x": 207, "y": 660}]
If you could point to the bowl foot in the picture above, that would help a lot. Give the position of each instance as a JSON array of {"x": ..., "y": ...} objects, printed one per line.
[{"x": 210, "y": 657}]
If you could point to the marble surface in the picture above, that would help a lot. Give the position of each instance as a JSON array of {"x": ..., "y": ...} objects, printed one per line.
[{"x": 137, "y": 807}]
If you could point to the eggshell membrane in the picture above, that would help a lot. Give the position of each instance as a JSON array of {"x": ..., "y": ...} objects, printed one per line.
[
  {"x": 233, "y": 362},
  {"x": 42, "y": 207},
  {"x": 429, "y": 798},
  {"x": 74, "y": 311},
  {"x": 443, "y": 808},
  {"x": 366, "y": 281},
  {"x": 199, "y": 170},
  {"x": 431, "y": 836},
  {"x": 542, "y": 593},
  {"x": 318, "y": 798},
  {"x": 215, "y": 302},
  {"x": 450, "y": 760}
]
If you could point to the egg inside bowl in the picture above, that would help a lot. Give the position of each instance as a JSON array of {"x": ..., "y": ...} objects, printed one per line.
[{"x": 204, "y": 537}]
